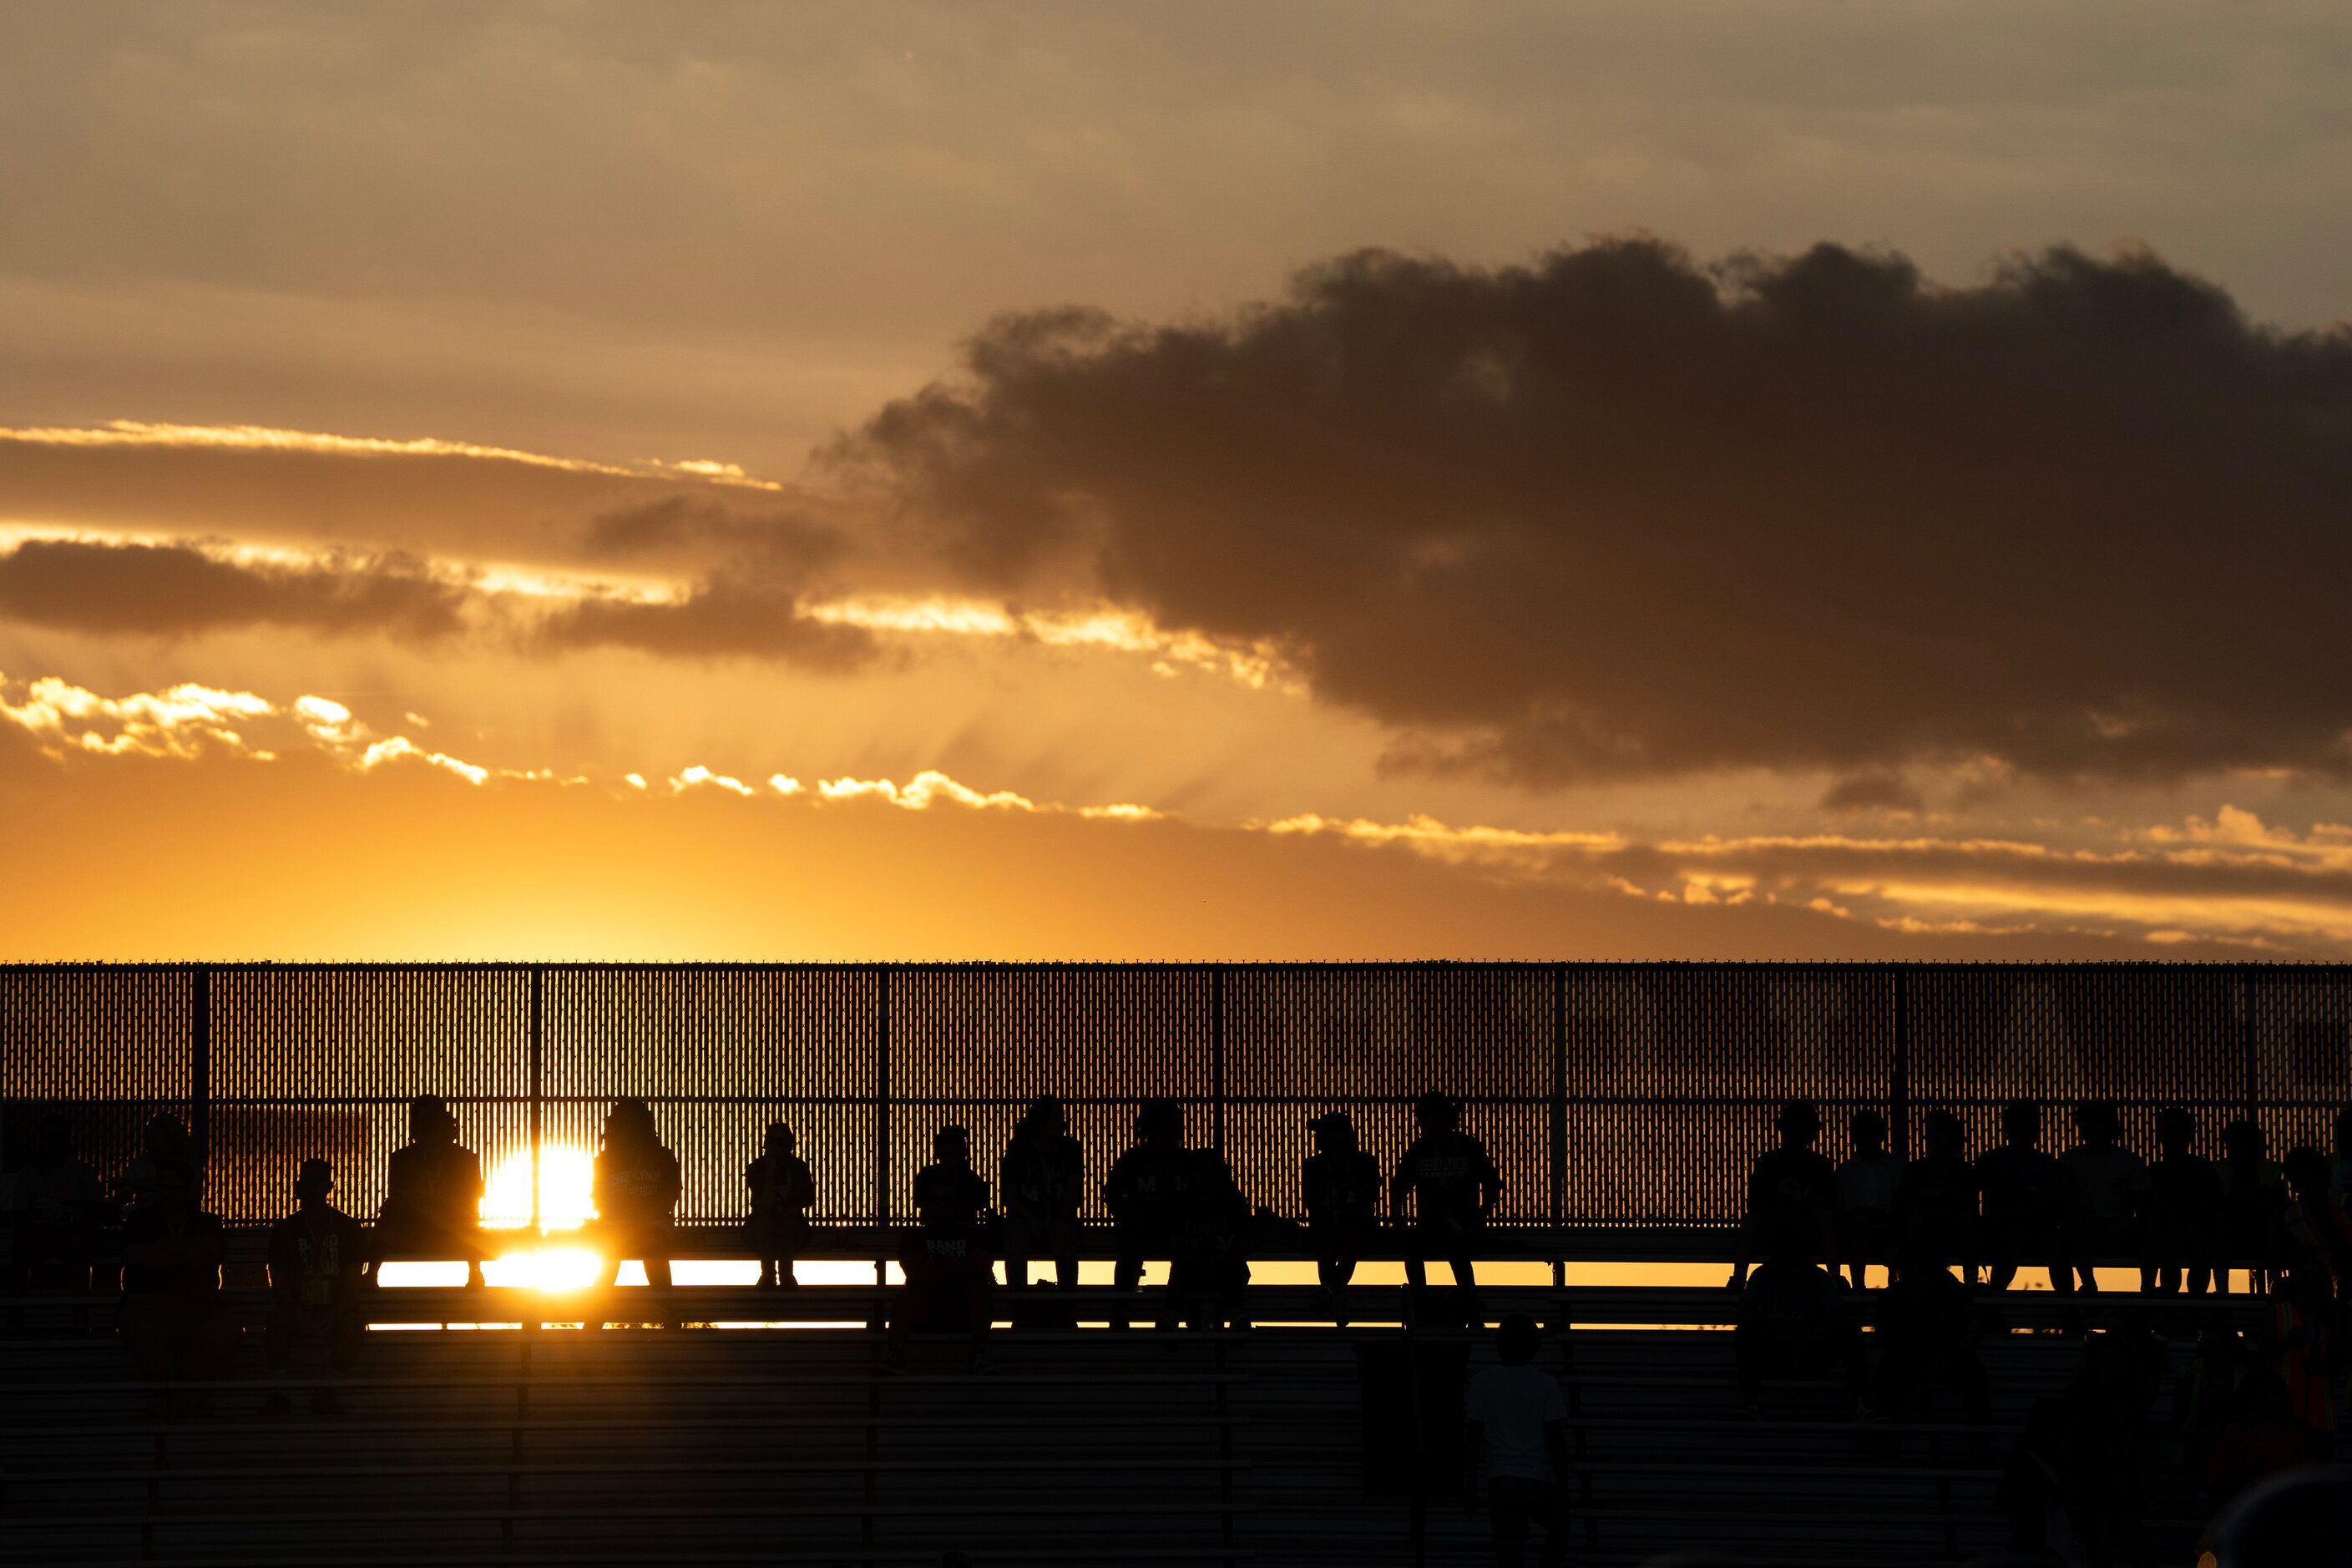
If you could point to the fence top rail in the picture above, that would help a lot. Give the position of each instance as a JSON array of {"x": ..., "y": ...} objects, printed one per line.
[{"x": 2303, "y": 968}]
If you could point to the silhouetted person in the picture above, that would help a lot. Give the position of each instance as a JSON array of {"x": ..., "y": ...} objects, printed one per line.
[
  {"x": 2186, "y": 1201},
  {"x": 1927, "y": 1334},
  {"x": 1516, "y": 1434},
  {"x": 2253, "y": 1202},
  {"x": 946, "y": 1259},
  {"x": 2024, "y": 1195},
  {"x": 1209, "y": 1276},
  {"x": 2315, "y": 1234},
  {"x": 2260, "y": 1438},
  {"x": 1146, "y": 1193},
  {"x": 167, "y": 1157},
  {"x": 1795, "y": 1320},
  {"x": 635, "y": 1194},
  {"x": 1341, "y": 1187},
  {"x": 1791, "y": 1193},
  {"x": 431, "y": 1195},
  {"x": 782, "y": 1192},
  {"x": 55, "y": 1203},
  {"x": 1935, "y": 1201},
  {"x": 1867, "y": 1186},
  {"x": 2299, "y": 1517},
  {"x": 2300, "y": 1346},
  {"x": 1448, "y": 1185},
  {"x": 2090, "y": 1452},
  {"x": 2106, "y": 1187},
  {"x": 1040, "y": 1182},
  {"x": 2340, "y": 1148},
  {"x": 2204, "y": 1399},
  {"x": 171, "y": 1253},
  {"x": 316, "y": 1256}
]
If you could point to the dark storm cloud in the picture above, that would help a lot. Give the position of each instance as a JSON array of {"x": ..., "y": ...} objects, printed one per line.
[
  {"x": 177, "y": 590},
  {"x": 1618, "y": 513},
  {"x": 731, "y": 615}
]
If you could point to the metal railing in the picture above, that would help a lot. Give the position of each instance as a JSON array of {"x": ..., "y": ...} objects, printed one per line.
[{"x": 1610, "y": 1094}]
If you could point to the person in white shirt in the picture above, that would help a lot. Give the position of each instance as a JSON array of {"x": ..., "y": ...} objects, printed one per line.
[
  {"x": 1517, "y": 1435},
  {"x": 2107, "y": 1192},
  {"x": 1866, "y": 1186}
]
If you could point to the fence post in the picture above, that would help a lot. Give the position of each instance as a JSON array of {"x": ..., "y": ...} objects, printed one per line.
[
  {"x": 538, "y": 1083},
  {"x": 881, "y": 1125},
  {"x": 2246, "y": 1036},
  {"x": 1898, "y": 1078},
  {"x": 200, "y": 1072},
  {"x": 1217, "y": 1057},
  {"x": 1559, "y": 1119}
]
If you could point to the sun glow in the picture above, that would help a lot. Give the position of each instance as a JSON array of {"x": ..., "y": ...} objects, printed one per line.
[{"x": 567, "y": 1177}]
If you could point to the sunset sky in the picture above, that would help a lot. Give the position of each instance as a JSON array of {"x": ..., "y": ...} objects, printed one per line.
[{"x": 1783, "y": 478}]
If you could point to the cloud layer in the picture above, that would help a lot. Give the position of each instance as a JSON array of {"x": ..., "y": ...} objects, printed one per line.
[{"x": 1622, "y": 514}]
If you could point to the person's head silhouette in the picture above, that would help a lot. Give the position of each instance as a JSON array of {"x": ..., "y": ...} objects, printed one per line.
[
  {"x": 951, "y": 1145},
  {"x": 2299, "y": 1517},
  {"x": 2176, "y": 1132},
  {"x": 1045, "y": 1118},
  {"x": 1160, "y": 1122},
  {"x": 2021, "y": 1123},
  {"x": 1868, "y": 1129},
  {"x": 782, "y": 1140},
  {"x": 1334, "y": 1133},
  {"x": 2308, "y": 1174},
  {"x": 2244, "y": 1143},
  {"x": 1947, "y": 1140},
  {"x": 1436, "y": 1112},
  {"x": 2097, "y": 1122},
  {"x": 1800, "y": 1123},
  {"x": 311, "y": 1185},
  {"x": 1517, "y": 1339},
  {"x": 429, "y": 1120}
]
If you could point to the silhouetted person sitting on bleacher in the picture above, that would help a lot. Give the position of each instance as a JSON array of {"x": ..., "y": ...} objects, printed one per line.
[
  {"x": 431, "y": 1195},
  {"x": 2090, "y": 1452},
  {"x": 2106, "y": 1187},
  {"x": 56, "y": 1205},
  {"x": 1927, "y": 1334},
  {"x": 2253, "y": 1202},
  {"x": 2185, "y": 1205},
  {"x": 2340, "y": 1154},
  {"x": 1145, "y": 1193},
  {"x": 167, "y": 1157},
  {"x": 1209, "y": 1276},
  {"x": 1867, "y": 1186},
  {"x": 1040, "y": 1182},
  {"x": 636, "y": 1187},
  {"x": 946, "y": 1256},
  {"x": 1341, "y": 1187},
  {"x": 316, "y": 1256},
  {"x": 1792, "y": 1191},
  {"x": 2024, "y": 1196},
  {"x": 1448, "y": 1185},
  {"x": 1516, "y": 1434},
  {"x": 1935, "y": 1201},
  {"x": 1795, "y": 1321},
  {"x": 2316, "y": 1232},
  {"x": 782, "y": 1192},
  {"x": 171, "y": 1253}
]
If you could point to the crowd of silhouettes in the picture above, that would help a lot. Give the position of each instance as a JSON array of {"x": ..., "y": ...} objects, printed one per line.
[{"x": 1823, "y": 1245}]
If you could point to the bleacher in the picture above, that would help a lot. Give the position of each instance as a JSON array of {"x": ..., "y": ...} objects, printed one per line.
[{"x": 547, "y": 1444}]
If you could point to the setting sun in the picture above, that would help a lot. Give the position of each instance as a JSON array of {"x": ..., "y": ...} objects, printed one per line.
[{"x": 566, "y": 1189}]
